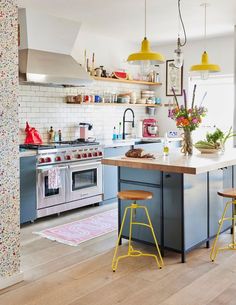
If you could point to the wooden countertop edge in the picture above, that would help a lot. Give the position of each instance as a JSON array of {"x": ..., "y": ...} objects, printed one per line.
[
  {"x": 146, "y": 164},
  {"x": 150, "y": 166}
]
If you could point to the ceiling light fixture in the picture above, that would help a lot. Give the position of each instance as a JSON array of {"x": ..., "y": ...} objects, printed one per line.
[
  {"x": 205, "y": 67},
  {"x": 178, "y": 53},
  {"x": 146, "y": 57}
]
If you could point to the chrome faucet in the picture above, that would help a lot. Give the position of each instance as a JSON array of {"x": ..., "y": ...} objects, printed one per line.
[{"x": 124, "y": 121}]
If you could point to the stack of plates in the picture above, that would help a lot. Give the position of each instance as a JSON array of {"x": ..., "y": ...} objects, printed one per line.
[{"x": 147, "y": 94}]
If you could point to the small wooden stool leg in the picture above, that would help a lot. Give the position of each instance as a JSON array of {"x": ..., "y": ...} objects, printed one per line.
[
  {"x": 161, "y": 264},
  {"x": 114, "y": 260},
  {"x": 214, "y": 250},
  {"x": 233, "y": 222}
]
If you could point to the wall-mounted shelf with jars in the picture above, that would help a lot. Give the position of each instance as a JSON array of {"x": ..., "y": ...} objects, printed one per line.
[
  {"x": 115, "y": 104},
  {"x": 127, "y": 81}
]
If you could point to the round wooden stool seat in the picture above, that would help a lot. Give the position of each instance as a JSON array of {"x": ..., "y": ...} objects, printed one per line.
[
  {"x": 134, "y": 195},
  {"x": 228, "y": 193}
]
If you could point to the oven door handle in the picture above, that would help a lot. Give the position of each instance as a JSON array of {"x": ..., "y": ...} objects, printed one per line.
[
  {"x": 85, "y": 164},
  {"x": 45, "y": 169}
]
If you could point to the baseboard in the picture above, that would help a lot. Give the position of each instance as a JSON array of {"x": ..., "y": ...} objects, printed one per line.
[{"x": 11, "y": 280}]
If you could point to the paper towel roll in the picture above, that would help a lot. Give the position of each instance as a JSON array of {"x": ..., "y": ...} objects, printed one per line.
[{"x": 140, "y": 129}]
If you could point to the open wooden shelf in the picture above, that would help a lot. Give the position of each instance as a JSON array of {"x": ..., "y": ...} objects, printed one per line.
[
  {"x": 137, "y": 82},
  {"x": 115, "y": 104}
]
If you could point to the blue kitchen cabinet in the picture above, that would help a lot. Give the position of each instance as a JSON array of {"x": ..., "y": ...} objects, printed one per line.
[
  {"x": 110, "y": 173},
  {"x": 27, "y": 189}
]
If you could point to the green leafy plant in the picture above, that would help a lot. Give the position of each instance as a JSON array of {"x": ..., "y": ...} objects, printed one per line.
[{"x": 215, "y": 140}]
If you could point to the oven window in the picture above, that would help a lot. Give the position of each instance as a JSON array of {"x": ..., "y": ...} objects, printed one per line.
[
  {"x": 84, "y": 179},
  {"x": 49, "y": 192}
]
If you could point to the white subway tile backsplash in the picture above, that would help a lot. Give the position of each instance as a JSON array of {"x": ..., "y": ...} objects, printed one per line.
[{"x": 45, "y": 106}]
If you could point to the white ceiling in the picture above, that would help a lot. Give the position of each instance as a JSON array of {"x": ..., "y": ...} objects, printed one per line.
[{"x": 124, "y": 19}]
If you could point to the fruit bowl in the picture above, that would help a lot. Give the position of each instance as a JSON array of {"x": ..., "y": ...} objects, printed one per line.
[{"x": 208, "y": 150}]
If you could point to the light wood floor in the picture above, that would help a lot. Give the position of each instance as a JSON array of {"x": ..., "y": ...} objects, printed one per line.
[{"x": 56, "y": 274}]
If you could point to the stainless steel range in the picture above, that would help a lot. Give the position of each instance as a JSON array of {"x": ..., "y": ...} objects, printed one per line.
[{"x": 80, "y": 173}]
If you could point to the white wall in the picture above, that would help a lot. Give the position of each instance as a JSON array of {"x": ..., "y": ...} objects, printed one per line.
[
  {"x": 220, "y": 51},
  {"x": 46, "y": 32},
  {"x": 109, "y": 52}
]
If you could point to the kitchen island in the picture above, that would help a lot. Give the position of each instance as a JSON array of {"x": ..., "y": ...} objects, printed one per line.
[{"x": 185, "y": 208}]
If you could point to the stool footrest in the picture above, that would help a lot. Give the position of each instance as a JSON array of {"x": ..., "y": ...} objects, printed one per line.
[{"x": 141, "y": 224}]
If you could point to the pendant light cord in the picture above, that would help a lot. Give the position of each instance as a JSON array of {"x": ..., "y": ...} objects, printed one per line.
[
  {"x": 183, "y": 26},
  {"x": 145, "y": 19},
  {"x": 205, "y": 21}
]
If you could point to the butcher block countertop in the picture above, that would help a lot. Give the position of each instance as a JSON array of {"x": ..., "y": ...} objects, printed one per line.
[{"x": 178, "y": 163}]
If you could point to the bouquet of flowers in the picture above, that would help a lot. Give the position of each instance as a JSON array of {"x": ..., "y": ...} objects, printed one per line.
[{"x": 188, "y": 118}]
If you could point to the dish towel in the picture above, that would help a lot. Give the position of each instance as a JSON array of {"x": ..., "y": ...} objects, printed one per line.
[{"x": 54, "y": 178}]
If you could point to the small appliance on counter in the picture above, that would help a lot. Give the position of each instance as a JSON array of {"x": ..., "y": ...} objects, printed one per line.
[
  {"x": 150, "y": 128},
  {"x": 84, "y": 128}
]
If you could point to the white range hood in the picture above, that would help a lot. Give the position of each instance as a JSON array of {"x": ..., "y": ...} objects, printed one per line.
[{"x": 46, "y": 43}]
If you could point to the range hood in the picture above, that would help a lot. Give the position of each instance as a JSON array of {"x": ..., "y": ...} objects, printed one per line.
[{"x": 45, "y": 46}]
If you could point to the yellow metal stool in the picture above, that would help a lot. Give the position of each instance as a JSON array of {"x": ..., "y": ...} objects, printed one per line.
[
  {"x": 228, "y": 193},
  {"x": 135, "y": 195}
]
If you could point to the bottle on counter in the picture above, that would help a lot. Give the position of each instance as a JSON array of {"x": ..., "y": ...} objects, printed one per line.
[
  {"x": 59, "y": 135},
  {"x": 166, "y": 145},
  {"x": 56, "y": 137},
  {"x": 51, "y": 135},
  {"x": 119, "y": 136},
  {"x": 114, "y": 135}
]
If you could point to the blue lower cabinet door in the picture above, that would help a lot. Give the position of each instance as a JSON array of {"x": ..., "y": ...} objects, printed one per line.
[
  {"x": 110, "y": 173},
  {"x": 27, "y": 189},
  {"x": 142, "y": 233}
]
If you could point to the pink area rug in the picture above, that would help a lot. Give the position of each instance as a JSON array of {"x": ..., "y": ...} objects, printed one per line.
[{"x": 82, "y": 230}]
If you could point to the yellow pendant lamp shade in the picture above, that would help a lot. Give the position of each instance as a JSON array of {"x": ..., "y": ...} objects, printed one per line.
[
  {"x": 146, "y": 55},
  {"x": 204, "y": 68},
  {"x": 205, "y": 65}
]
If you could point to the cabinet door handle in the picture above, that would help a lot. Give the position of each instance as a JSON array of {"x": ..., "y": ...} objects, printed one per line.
[{"x": 168, "y": 176}]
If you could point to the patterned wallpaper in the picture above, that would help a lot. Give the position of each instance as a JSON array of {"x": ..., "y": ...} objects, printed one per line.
[{"x": 9, "y": 165}]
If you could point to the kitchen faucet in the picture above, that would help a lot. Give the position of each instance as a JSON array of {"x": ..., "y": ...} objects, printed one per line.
[{"x": 124, "y": 121}]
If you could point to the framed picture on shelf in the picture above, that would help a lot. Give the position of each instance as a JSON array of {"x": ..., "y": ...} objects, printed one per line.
[{"x": 174, "y": 79}]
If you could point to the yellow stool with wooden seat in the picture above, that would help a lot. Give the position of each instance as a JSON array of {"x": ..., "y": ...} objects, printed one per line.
[
  {"x": 228, "y": 193},
  {"x": 134, "y": 196}
]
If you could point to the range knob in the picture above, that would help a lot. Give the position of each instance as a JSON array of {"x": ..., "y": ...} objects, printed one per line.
[
  {"x": 41, "y": 160},
  {"x": 84, "y": 156},
  {"x": 68, "y": 157},
  {"x": 89, "y": 155},
  {"x": 79, "y": 156},
  {"x": 100, "y": 153},
  {"x": 58, "y": 158},
  {"x": 95, "y": 154},
  {"x": 48, "y": 159}
]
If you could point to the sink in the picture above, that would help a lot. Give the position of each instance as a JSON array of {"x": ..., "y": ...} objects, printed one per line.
[{"x": 148, "y": 141}]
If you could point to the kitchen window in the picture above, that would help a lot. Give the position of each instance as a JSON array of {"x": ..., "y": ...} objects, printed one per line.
[{"x": 219, "y": 101}]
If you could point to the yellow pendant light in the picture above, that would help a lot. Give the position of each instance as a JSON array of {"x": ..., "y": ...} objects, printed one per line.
[
  {"x": 204, "y": 68},
  {"x": 146, "y": 56}
]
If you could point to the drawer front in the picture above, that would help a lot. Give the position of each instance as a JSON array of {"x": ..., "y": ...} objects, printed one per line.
[{"x": 144, "y": 176}]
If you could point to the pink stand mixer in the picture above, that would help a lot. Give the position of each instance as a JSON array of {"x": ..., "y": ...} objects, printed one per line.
[{"x": 150, "y": 128}]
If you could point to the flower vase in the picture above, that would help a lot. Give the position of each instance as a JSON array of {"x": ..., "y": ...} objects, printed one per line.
[{"x": 187, "y": 143}]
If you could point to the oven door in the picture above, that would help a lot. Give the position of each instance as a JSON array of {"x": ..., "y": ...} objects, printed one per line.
[
  {"x": 49, "y": 197},
  {"x": 84, "y": 180}
]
